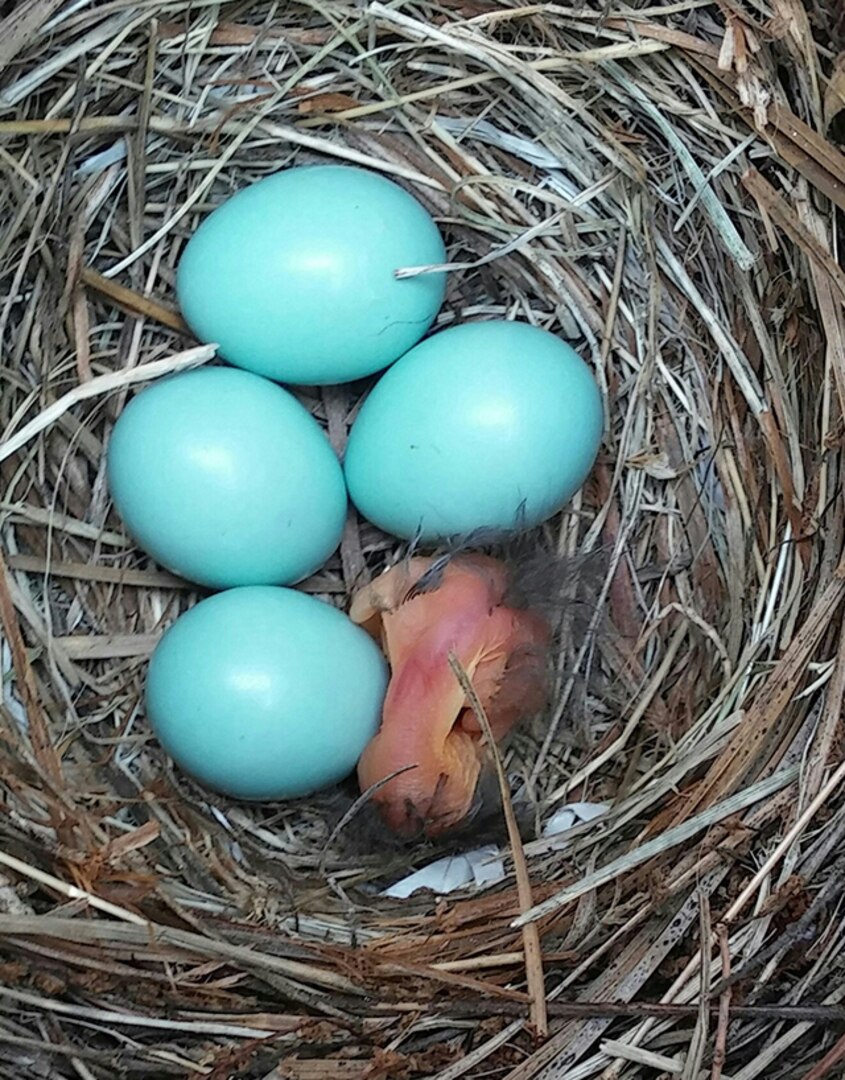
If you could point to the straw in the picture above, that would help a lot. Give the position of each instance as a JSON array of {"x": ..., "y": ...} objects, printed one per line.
[{"x": 660, "y": 185}]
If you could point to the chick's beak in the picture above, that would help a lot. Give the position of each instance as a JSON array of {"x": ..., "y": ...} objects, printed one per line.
[{"x": 428, "y": 728}]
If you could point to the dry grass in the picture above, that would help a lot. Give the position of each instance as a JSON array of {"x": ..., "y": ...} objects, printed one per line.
[{"x": 658, "y": 183}]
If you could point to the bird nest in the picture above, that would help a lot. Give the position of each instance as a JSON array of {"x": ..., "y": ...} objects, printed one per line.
[{"x": 659, "y": 185}]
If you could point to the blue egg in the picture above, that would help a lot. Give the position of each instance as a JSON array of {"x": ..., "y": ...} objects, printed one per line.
[
  {"x": 294, "y": 276},
  {"x": 224, "y": 478},
  {"x": 486, "y": 425},
  {"x": 265, "y": 693}
]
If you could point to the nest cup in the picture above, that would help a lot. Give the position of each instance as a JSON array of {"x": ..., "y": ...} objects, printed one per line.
[{"x": 658, "y": 187}]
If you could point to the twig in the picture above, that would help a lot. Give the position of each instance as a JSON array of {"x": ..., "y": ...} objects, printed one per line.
[
  {"x": 831, "y": 1058},
  {"x": 720, "y": 1045},
  {"x": 70, "y": 891},
  {"x": 695, "y": 1054},
  {"x": 795, "y": 934},
  {"x": 132, "y": 301},
  {"x": 530, "y": 934},
  {"x": 785, "y": 844}
]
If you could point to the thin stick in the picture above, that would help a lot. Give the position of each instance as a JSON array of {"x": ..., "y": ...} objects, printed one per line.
[
  {"x": 70, "y": 891},
  {"x": 831, "y": 1058},
  {"x": 720, "y": 1047},
  {"x": 105, "y": 384},
  {"x": 132, "y": 301},
  {"x": 785, "y": 844},
  {"x": 694, "y": 1056},
  {"x": 530, "y": 934}
]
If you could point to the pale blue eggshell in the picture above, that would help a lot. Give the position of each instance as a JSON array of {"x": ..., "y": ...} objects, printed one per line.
[
  {"x": 486, "y": 425},
  {"x": 224, "y": 478},
  {"x": 265, "y": 693},
  {"x": 294, "y": 276}
]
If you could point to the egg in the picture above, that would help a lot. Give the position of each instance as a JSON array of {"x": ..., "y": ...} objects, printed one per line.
[
  {"x": 485, "y": 425},
  {"x": 294, "y": 276},
  {"x": 265, "y": 693},
  {"x": 224, "y": 478}
]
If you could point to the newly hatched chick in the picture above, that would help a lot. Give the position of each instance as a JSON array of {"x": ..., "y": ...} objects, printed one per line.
[{"x": 422, "y": 610}]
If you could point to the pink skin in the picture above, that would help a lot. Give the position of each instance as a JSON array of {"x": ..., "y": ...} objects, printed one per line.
[{"x": 426, "y": 721}]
